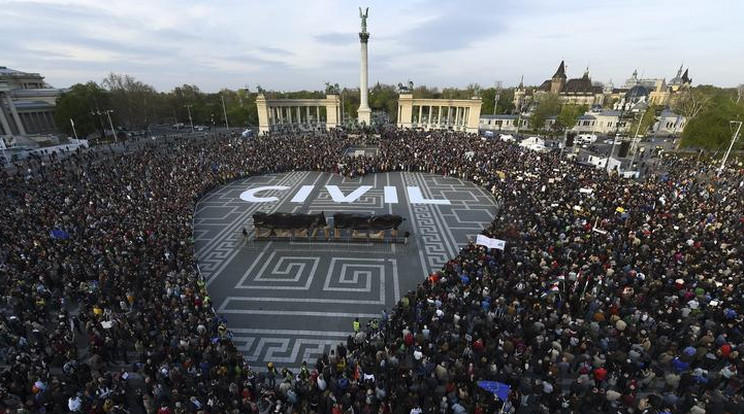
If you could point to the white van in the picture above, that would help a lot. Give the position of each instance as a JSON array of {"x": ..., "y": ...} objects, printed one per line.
[{"x": 586, "y": 139}]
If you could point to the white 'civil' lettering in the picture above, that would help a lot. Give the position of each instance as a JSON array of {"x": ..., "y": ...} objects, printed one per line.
[
  {"x": 338, "y": 197},
  {"x": 414, "y": 194},
  {"x": 390, "y": 195},
  {"x": 301, "y": 195},
  {"x": 250, "y": 195}
]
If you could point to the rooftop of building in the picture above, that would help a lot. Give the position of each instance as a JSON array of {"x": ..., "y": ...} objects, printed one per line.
[
  {"x": 500, "y": 116},
  {"x": 5, "y": 71}
]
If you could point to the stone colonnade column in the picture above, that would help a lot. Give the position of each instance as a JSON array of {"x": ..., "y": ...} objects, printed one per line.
[
  {"x": 3, "y": 119},
  {"x": 16, "y": 117}
]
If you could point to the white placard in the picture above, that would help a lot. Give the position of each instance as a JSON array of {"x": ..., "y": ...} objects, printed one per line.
[{"x": 490, "y": 243}]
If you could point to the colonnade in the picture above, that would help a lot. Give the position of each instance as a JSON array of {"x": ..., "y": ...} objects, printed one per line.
[
  {"x": 38, "y": 122},
  {"x": 455, "y": 114},
  {"x": 431, "y": 116},
  {"x": 278, "y": 114}
]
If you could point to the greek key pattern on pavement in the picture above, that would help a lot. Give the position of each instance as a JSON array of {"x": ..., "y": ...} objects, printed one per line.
[
  {"x": 222, "y": 244},
  {"x": 291, "y": 301}
]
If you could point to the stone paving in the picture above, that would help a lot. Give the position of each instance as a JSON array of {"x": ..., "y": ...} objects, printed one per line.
[{"x": 289, "y": 301}]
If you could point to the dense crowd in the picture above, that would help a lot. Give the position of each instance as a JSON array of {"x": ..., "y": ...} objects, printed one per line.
[{"x": 612, "y": 295}]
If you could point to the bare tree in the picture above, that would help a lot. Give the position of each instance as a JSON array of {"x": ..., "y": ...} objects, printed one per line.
[
  {"x": 131, "y": 99},
  {"x": 691, "y": 102}
]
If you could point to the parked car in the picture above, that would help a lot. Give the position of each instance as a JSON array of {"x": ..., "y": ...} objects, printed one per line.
[{"x": 507, "y": 138}]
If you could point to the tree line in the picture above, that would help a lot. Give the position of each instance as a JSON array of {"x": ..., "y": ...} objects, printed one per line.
[{"x": 137, "y": 106}]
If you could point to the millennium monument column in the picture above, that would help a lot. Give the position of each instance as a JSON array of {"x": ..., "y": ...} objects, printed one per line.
[{"x": 363, "y": 113}]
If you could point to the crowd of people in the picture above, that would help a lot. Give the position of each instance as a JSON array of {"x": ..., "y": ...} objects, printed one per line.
[{"x": 612, "y": 295}]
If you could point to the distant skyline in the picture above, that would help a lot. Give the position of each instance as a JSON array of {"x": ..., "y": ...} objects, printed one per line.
[{"x": 289, "y": 45}]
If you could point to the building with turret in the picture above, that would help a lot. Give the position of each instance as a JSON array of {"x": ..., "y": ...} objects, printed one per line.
[
  {"x": 577, "y": 91},
  {"x": 635, "y": 93},
  {"x": 652, "y": 91}
]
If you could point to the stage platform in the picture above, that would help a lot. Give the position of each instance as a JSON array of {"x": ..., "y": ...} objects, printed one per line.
[{"x": 291, "y": 300}]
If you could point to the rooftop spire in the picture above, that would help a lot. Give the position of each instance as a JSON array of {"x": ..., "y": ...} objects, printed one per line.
[
  {"x": 561, "y": 72},
  {"x": 686, "y": 76}
]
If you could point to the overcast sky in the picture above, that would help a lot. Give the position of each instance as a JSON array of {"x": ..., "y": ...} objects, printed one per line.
[{"x": 287, "y": 45}]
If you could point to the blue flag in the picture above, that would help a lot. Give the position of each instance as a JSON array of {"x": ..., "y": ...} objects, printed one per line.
[
  {"x": 496, "y": 388},
  {"x": 59, "y": 234}
]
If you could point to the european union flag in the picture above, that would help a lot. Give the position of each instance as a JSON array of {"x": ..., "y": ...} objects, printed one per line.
[
  {"x": 496, "y": 388},
  {"x": 60, "y": 234}
]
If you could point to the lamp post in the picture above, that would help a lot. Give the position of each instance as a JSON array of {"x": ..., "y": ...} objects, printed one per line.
[
  {"x": 733, "y": 139},
  {"x": 191, "y": 121},
  {"x": 519, "y": 119},
  {"x": 635, "y": 141},
  {"x": 496, "y": 95},
  {"x": 111, "y": 124},
  {"x": 73, "y": 129},
  {"x": 224, "y": 111}
]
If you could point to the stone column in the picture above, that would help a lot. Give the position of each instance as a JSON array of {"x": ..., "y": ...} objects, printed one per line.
[
  {"x": 263, "y": 113},
  {"x": 14, "y": 112},
  {"x": 307, "y": 114},
  {"x": 473, "y": 118},
  {"x": 405, "y": 111},
  {"x": 332, "y": 103},
  {"x": 3, "y": 119},
  {"x": 51, "y": 120},
  {"x": 421, "y": 111},
  {"x": 299, "y": 115},
  {"x": 317, "y": 115},
  {"x": 32, "y": 121},
  {"x": 42, "y": 122},
  {"x": 363, "y": 113}
]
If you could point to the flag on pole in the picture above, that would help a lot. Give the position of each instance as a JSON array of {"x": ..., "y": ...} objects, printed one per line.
[
  {"x": 499, "y": 389},
  {"x": 489, "y": 242}
]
